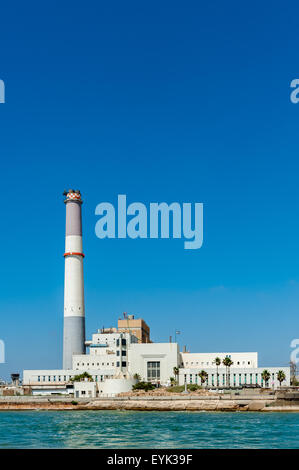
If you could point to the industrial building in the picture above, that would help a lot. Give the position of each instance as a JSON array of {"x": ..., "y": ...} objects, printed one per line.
[{"x": 114, "y": 357}]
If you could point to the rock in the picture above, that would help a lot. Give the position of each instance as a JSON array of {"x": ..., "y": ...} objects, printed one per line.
[{"x": 256, "y": 405}]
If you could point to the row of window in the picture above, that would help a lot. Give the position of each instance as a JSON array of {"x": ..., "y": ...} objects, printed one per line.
[
  {"x": 67, "y": 378},
  {"x": 123, "y": 364},
  {"x": 236, "y": 379}
]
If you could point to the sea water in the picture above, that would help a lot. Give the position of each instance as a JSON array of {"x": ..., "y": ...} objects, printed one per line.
[{"x": 129, "y": 429}]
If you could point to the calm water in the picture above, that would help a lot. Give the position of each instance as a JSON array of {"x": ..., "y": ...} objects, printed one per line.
[{"x": 125, "y": 429}]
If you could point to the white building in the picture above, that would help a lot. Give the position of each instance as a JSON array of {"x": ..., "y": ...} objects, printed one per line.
[
  {"x": 154, "y": 362},
  {"x": 207, "y": 360},
  {"x": 85, "y": 389},
  {"x": 108, "y": 352},
  {"x": 243, "y": 372},
  {"x": 111, "y": 354}
]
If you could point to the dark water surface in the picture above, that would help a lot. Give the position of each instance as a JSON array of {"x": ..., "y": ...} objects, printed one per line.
[{"x": 129, "y": 429}]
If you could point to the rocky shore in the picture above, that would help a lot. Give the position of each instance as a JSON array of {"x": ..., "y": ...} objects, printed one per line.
[{"x": 202, "y": 402}]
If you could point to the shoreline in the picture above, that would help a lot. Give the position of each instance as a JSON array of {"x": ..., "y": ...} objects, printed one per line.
[{"x": 179, "y": 403}]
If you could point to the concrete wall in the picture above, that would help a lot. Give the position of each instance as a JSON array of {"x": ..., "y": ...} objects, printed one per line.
[{"x": 112, "y": 387}]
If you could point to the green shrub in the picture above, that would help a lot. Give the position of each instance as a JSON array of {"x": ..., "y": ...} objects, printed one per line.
[
  {"x": 193, "y": 387},
  {"x": 73, "y": 402},
  {"x": 143, "y": 386}
]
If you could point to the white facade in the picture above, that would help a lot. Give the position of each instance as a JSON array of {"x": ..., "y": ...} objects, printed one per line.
[
  {"x": 111, "y": 354},
  {"x": 85, "y": 389},
  {"x": 207, "y": 360},
  {"x": 116, "y": 385},
  {"x": 154, "y": 362},
  {"x": 108, "y": 352},
  {"x": 237, "y": 377}
]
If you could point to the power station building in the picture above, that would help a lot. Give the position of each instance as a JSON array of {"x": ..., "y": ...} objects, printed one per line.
[{"x": 115, "y": 356}]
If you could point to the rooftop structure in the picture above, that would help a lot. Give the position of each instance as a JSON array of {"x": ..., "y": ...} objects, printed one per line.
[{"x": 135, "y": 326}]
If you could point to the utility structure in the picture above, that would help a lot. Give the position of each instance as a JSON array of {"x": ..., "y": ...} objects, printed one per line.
[{"x": 74, "y": 311}]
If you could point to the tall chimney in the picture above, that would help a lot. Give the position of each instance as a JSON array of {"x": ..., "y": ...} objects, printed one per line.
[{"x": 74, "y": 311}]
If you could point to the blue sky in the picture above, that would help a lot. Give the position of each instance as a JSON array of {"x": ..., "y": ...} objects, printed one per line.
[{"x": 161, "y": 102}]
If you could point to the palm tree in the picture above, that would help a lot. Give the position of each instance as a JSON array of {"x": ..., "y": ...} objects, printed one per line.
[
  {"x": 227, "y": 362},
  {"x": 82, "y": 377},
  {"x": 176, "y": 372},
  {"x": 172, "y": 381},
  {"x": 266, "y": 377},
  {"x": 203, "y": 376},
  {"x": 218, "y": 363},
  {"x": 280, "y": 376}
]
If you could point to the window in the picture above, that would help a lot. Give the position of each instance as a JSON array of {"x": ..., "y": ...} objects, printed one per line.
[
  {"x": 38, "y": 378},
  {"x": 117, "y": 353},
  {"x": 153, "y": 370},
  {"x": 124, "y": 364},
  {"x": 124, "y": 353},
  {"x": 117, "y": 364},
  {"x": 124, "y": 342}
]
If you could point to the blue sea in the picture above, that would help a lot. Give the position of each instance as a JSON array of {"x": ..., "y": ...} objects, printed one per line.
[{"x": 128, "y": 429}]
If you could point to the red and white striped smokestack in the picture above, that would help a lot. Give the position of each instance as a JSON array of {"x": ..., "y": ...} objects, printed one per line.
[{"x": 74, "y": 311}]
